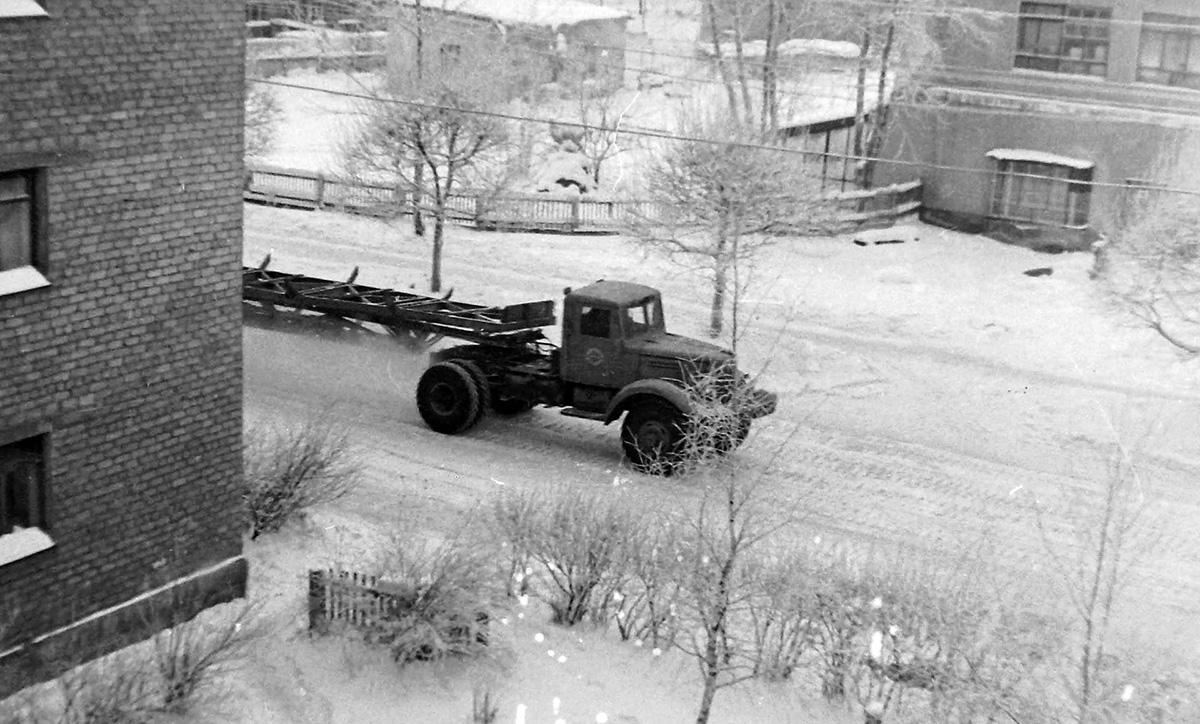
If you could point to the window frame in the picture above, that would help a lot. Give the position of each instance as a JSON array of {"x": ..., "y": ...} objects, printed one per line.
[
  {"x": 35, "y": 537},
  {"x": 1163, "y": 27},
  {"x": 1011, "y": 178},
  {"x": 34, "y": 275},
  {"x": 1091, "y": 36}
]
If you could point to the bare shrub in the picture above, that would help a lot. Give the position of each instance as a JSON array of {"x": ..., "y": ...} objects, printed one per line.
[
  {"x": 582, "y": 543},
  {"x": 291, "y": 469},
  {"x": 263, "y": 116},
  {"x": 192, "y": 656},
  {"x": 514, "y": 522},
  {"x": 780, "y": 612},
  {"x": 644, "y": 606},
  {"x": 443, "y": 595}
]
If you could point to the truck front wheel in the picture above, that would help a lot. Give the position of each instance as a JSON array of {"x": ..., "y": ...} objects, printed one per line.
[
  {"x": 652, "y": 436},
  {"x": 447, "y": 398}
]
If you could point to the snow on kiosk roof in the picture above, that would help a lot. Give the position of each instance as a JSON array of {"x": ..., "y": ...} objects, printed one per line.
[
  {"x": 1024, "y": 154},
  {"x": 548, "y": 13}
]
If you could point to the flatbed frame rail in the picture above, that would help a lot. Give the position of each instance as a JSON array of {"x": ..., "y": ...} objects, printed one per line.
[{"x": 514, "y": 324}]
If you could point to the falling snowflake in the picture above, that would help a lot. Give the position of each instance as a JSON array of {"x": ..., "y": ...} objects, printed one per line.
[
  {"x": 656, "y": 652},
  {"x": 877, "y": 602},
  {"x": 539, "y": 637},
  {"x": 602, "y": 718},
  {"x": 562, "y": 659}
]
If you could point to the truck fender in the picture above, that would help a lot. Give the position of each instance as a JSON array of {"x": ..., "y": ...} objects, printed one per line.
[{"x": 656, "y": 387}]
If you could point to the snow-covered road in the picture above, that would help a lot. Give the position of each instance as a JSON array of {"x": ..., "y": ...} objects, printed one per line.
[{"x": 933, "y": 422}]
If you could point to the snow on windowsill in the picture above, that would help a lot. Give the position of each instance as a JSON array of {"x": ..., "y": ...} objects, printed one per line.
[
  {"x": 22, "y": 543},
  {"x": 22, "y": 9},
  {"x": 21, "y": 279}
]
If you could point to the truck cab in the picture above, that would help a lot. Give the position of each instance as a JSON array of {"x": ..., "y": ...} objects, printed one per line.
[{"x": 614, "y": 334}]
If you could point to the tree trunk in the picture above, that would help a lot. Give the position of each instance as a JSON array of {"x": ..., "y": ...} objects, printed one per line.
[
  {"x": 882, "y": 108},
  {"x": 770, "y": 100},
  {"x": 418, "y": 168},
  {"x": 740, "y": 63},
  {"x": 716, "y": 321},
  {"x": 726, "y": 79},
  {"x": 417, "y": 194}
]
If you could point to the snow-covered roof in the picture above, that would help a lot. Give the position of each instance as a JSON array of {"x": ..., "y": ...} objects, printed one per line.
[
  {"x": 548, "y": 13},
  {"x": 1024, "y": 154},
  {"x": 788, "y": 48}
]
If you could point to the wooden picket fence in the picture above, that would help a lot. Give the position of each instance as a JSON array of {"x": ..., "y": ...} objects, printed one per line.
[
  {"x": 369, "y": 604},
  {"x": 352, "y": 598},
  {"x": 539, "y": 212}
]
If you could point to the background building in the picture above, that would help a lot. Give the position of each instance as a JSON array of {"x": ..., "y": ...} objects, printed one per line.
[
  {"x": 1041, "y": 132},
  {"x": 520, "y": 43},
  {"x": 120, "y": 322}
]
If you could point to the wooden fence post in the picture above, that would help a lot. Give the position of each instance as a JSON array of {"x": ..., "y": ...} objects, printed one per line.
[
  {"x": 320, "y": 190},
  {"x": 317, "y": 610},
  {"x": 575, "y": 204}
]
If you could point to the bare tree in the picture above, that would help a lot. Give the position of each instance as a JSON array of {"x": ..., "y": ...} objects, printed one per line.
[
  {"x": 715, "y": 598},
  {"x": 263, "y": 115},
  {"x": 722, "y": 195},
  {"x": 900, "y": 42},
  {"x": 1105, "y": 543},
  {"x": 1152, "y": 266}
]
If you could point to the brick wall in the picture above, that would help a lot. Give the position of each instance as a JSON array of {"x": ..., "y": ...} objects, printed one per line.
[{"x": 131, "y": 357}]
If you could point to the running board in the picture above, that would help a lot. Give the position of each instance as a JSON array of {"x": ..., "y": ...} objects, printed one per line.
[{"x": 573, "y": 412}]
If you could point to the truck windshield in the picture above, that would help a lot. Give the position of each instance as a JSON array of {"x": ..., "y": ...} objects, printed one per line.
[{"x": 644, "y": 317}]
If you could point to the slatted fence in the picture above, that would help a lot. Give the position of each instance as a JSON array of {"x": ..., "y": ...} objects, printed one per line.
[{"x": 538, "y": 212}]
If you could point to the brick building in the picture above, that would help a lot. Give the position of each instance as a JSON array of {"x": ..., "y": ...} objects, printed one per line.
[
  {"x": 1050, "y": 128},
  {"x": 120, "y": 337}
]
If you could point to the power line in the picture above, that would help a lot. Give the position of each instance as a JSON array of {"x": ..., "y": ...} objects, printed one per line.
[{"x": 668, "y": 136}]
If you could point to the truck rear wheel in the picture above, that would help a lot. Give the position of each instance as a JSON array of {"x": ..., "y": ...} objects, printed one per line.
[
  {"x": 652, "y": 436},
  {"x": 482, "y": 388},
  {"x": 448, "y": 398}
]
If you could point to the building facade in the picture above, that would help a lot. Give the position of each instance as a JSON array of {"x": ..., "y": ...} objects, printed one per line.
[
  {"x": 1048, "y": 121},
  {"x": 120, "y": 324},
  {"x": 516, "y": 45}
]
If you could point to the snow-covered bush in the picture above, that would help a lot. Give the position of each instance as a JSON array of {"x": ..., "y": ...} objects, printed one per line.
[
  {"x": 290, "y": 469},
  {"x": 263, "y": 116},
  {"x": 441, "y": 598},
  {"x": 578, "y": 546}
]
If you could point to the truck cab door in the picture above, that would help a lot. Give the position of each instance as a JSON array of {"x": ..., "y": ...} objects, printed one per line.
[{"x": 592, "y": 345}]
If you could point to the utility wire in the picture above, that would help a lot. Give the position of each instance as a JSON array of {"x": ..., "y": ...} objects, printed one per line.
[{"x": 673, "y": 137}]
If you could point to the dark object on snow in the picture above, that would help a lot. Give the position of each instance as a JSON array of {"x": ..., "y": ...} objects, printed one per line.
[
  {"x": 1042, "y": 271},
  {"x": 886, "y": 235}
]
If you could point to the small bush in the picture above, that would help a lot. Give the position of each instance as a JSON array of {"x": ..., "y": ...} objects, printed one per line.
[
  {"x": 515, "y": 523},
  {"x": 189, "y": 657},
  {"x": 581, "y": 541},
  {"x": 288, "y": 470},
  {"x": 443, "y": 595}
]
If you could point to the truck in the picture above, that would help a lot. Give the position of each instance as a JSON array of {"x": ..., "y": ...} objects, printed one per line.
[{"x": 616, "y": 360}]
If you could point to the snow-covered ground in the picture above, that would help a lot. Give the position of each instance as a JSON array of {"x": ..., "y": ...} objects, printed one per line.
[{"x": 930, "y": 391}]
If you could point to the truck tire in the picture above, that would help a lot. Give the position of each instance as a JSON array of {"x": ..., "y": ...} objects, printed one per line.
[
  {"x": 448, "y": 398},
  {"x": 652, "y": 436},
  {"x": 482, "y": 388}
]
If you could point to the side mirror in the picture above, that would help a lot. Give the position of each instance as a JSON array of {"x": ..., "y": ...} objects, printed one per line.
[{"x": 566, "y": 291}]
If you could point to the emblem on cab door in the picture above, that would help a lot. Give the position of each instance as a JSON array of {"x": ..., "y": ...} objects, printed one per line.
[{"x": 594, "y": 357}]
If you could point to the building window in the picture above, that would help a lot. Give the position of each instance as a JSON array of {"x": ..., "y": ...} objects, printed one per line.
[
  {"x": 16, "y": 220},
  {"x": 23, "y": 527},
  {"x": 22, "y": 228},
  {"x": 450, "y": 55},
  {"x": 1063, "y": 38},
  {"x": 1169, "y": 53},
  {"x": 1042, "y": 192}
]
